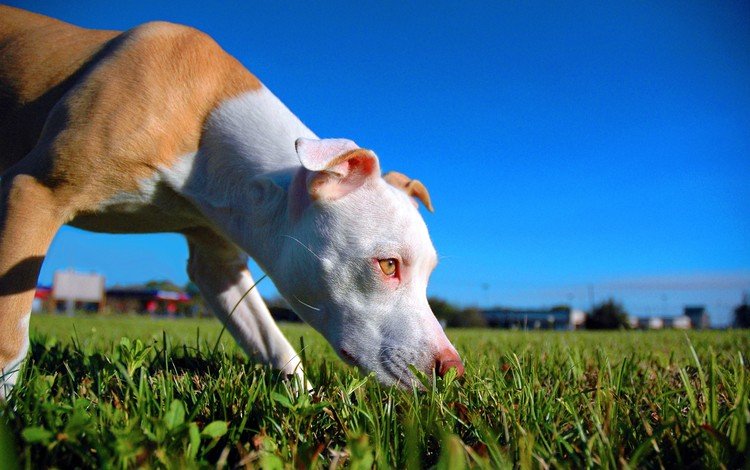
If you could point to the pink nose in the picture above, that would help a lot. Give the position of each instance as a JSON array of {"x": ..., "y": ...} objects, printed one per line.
[{"x": 448, "y": 359}]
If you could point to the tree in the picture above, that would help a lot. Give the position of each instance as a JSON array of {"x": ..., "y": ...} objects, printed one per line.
[
  {"x": 455, "y": 317},
  {"x": 163, "y": 285},
  {"x": 197, "y": 305},
  {"x": 563, "y": 307},
  {"x": 472, "y": 317},
  {"x": 442, "y": 309},
  {"x": 608, "y": 315},
  {"x": 742, "y": 315}
]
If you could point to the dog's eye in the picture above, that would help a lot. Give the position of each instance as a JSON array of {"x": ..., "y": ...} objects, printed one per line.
[{"x": 388, "y": 266}]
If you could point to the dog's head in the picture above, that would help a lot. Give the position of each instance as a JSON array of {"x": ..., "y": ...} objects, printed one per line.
[{"x": 356, "y": 261}]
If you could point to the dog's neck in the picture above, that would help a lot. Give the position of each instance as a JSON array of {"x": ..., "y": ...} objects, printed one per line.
[
  {"x": 245, "y": 165},
  {"x": 254, "y": 132}
]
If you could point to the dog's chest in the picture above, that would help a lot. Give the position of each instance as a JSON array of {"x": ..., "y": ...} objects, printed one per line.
[{"x": 154, "y": 207}]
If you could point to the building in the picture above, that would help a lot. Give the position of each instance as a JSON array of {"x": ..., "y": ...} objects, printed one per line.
[
  {"x": 535, "y": 319},
  {"x": 678, "y": 323},
  {"x": 655, "y": 323},
  {"x": 144, "y": 300},
  {"x": 681, "y": 322},
  {"x": 42, "y": 299},
  {"x": 698, "y": 316},
  {"x": 119, "y": 300},
  {"x": 72, "y": 290}
]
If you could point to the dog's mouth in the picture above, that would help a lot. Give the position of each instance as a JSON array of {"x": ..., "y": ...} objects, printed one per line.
[
  {"x": 392, "y": 368},
  {"x": 394, "y": 362},
  {"x": 348, "y": 357}
]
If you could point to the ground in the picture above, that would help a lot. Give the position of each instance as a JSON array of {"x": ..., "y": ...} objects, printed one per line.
[{"x": 170, "y": 395}]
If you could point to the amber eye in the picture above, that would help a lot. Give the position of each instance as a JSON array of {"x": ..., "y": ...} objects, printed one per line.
[{"x": 388, "y": 266}]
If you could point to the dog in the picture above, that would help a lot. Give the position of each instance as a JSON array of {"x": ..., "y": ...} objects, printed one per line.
[{"x": 157, "y": 129}]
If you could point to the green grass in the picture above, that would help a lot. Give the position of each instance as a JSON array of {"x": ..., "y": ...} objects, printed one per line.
[{"x": 164, "y": 398}]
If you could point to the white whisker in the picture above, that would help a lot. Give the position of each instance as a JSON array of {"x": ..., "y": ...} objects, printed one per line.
[
  {"x": 304, "y": 246},
  {"x": 306, "y": 304}
]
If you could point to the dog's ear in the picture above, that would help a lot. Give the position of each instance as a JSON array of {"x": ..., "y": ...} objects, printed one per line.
[
  {"x": 318, "y": 155},
  {"x": 413, "y": 188},
  {"x": 335, "y": 167}
]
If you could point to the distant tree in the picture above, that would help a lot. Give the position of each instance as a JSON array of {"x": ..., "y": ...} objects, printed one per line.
[
  {"x": 163, "y": 285},
  {"x": 472, "y": 317},
  {"x": 442, "y": 308},
  {"x": 197, "y": 306},
  {"x": 608, "y": 315},
  {"x": 456, "y": 317},
  {"x": 191, "y": 289},
  {"x": 742, "y": 315},
  {"x": 562, "y": 307}
]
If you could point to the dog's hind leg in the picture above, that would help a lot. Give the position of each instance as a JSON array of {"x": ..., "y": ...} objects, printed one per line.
[
  {"x": 219, "y": 269},
  {"x": 29, "y": 219}
]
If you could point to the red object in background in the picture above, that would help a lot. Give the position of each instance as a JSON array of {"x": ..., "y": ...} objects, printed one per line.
[{"x": 42, "y": 292}]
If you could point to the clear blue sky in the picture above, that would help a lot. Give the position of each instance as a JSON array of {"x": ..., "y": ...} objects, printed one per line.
[{"x": 565, "y": 146}]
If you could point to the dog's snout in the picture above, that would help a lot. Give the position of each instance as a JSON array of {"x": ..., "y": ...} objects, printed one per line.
[{"x": 448, "y": 359}]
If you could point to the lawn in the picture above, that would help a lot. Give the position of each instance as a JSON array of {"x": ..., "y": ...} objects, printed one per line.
[{"x": 171, "y": 396}]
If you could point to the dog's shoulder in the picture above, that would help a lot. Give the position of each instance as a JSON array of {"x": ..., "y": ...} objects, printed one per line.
[
  {"x": 184, "y": 57},
  {"x": 38, "y": 53},
  {"x": 152, "y": 92},
  {"x": 127, "y": 101},
  {"x": 40, "y": 60}
]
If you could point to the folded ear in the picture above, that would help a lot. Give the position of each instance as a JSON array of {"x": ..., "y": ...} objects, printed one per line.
[
  {"x": 413, "y": 188},
  {"x": 317, "y": 155},
  {"x": 335, "y": 166}
]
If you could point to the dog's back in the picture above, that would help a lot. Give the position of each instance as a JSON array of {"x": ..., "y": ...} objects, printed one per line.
[
  {"x": 124, "y": 103},
  {"x": 40, "y": 59}
]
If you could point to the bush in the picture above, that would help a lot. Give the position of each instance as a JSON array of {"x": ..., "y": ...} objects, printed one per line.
[
  {"x": 455, "y": 317},
  {"x": 742, "y": 315},
  {"x": 608, "y": 315}
]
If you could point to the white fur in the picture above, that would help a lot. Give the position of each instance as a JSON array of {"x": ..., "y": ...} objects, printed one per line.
[
  {"x": 254, "y": 133},
  {"x": 227, "y": 287},
  {"x": 382, "y": 328},
  {"x": 322, "y": 262},
  {"x": 245, "y": 191},
  {"x": 9, "y": 375}
]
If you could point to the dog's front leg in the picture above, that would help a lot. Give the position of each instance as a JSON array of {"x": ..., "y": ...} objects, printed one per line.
[
  {"x": 219, "y": 269},
  {"x": 30, "y": 216}
]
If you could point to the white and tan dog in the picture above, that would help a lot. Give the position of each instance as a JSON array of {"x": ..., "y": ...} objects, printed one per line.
[{"x": 157, "y": 129}]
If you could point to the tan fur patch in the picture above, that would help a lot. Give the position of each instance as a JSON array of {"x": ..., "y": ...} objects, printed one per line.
[
  {"x": 40, "y": 60},
  {"x": 139, "y": 105},
  {"x": 411, "y": 187},
  {"x": 29, "y": 219},
  {"x": 87, "y": 114}
]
